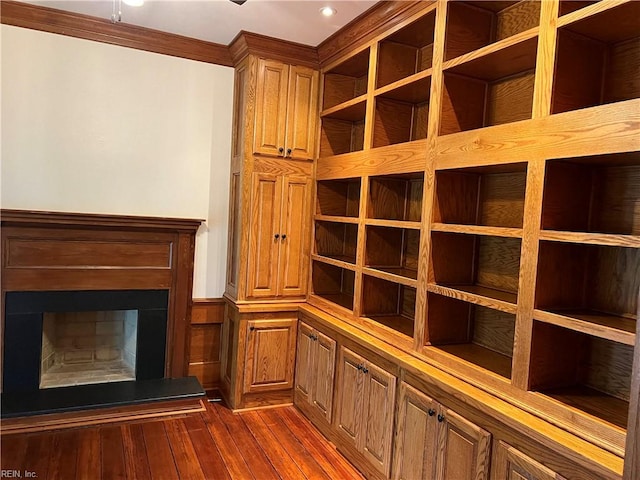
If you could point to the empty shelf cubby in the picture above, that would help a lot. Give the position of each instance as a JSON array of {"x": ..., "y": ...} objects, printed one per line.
[
  {"x": 476, "y": 334},
  {"x": 338, "y": 198},
  {"x": 586, "y": 373},
  {"x": 407, "y": 51},
  {"x": 393, "y": 250},
  {"x": 399, "y": 121},
  {"x": 593, "y": 194},
  {"x": 490, "y": 196},
  {"x": 337, "y": 240},
  {"x": 346, "y": 81},
  {"x": 598, "y": 59},
  {"x": 390, "y": 304},
  {"x": 473, "y": 25},
  {"x": 334, "y": 284},
  {"x": 396, "y": 197}
]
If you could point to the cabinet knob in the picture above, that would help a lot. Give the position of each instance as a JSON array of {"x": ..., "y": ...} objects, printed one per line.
[
  {"x": 276, "y": 236},
  {"x": 431, "y": 412},
  {"x": 289, "y": 151},
  {"x": 284, "y": 236},
  {"x": 281, "y": 150},
  {"x": 440, "y": 418},
  {"x": 365, "y": 370},
  {"x": 359, "y": 367},
  {"x": 252, "y": 328}
]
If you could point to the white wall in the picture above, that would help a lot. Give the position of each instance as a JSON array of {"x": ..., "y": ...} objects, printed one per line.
[{"x": 95, "y": 128}]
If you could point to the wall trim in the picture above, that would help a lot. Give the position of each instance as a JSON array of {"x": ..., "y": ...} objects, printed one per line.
[
  {"x": 52, "y": 20},
  {"x": 247, "y": 43}
]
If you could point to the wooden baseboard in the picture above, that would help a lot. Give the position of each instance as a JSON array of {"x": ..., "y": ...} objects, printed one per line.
[{"x": 58, "y": 421}]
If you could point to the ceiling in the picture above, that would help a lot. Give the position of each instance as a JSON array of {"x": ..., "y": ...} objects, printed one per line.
[{"x": 220, "y": 21}]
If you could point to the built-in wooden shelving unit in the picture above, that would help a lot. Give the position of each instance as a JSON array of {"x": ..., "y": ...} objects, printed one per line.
[{"x": 518, "y": 270}]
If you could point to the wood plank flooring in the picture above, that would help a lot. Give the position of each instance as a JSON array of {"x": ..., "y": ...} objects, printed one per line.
[{"x": 269, "y": 444}]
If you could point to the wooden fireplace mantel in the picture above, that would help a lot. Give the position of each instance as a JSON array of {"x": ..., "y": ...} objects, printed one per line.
[{"x": 73, "y": 251}]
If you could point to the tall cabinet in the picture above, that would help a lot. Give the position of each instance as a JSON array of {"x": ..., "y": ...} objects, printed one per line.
[{"x": 273, "y": 147}]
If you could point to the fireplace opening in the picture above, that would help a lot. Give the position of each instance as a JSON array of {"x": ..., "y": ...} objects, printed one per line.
[{"x": 80, "y": 348}]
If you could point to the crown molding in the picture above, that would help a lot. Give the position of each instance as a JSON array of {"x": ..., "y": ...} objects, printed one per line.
[
  {"x": 247, "y": 43},
  {"x": 102, "y": 30}
]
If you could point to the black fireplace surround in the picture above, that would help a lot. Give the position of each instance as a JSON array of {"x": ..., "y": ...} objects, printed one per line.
[{"x": 24, "y": 311}]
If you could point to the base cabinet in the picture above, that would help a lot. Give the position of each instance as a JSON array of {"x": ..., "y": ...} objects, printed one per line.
[
  {"x": 315, "y": 370},
  {"x": 434, "y": 442},
  {"x": 511, "y": 464},
  {"x": 364, "y": 414}
]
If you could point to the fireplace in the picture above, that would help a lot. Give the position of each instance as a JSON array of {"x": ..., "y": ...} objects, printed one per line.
[
  {"x": 67, "y": 338},
  {"x": 95, "y": 311}
]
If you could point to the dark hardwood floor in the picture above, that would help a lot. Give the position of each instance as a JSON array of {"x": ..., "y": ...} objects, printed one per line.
[{"x": 268, "y": 444}]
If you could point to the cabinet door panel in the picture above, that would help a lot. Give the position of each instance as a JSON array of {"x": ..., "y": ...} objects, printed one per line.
[
  {"x": 302, "y": 111},
  {"x": 379, "y": 398},
  {"x": 304, "y": 362},
  {"x": 294, "y": 249},
  {"x": 270, "y": 356},
  {"x": 463, "y": 449},
  {"x": 415, "y": 436},
  {"x": 511, "y": 464},
  {"x": 325, "y": 364},
  {"x": 349, "y": 411},
  {"x": 271, "y": 107},
  {"x": 263, "y": 245}
]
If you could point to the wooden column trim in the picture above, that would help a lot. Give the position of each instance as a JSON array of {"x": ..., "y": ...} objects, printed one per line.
[
  {"x": 104, "y": 30},
  {"x": 247, "y": 43}
]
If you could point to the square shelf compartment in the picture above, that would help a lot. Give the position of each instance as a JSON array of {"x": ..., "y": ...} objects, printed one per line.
[
  {"x": 346, "y": 81},
  {"x": 488, "y": 196},
  {"x": 490, "y": 90},
  {"x": 598, "y": 59},
  {"x": 389, "y": 304},
  {"x": 338, "y": 198},
  {"x": 593, "y": 194},
  {"x": 590, "y": 374},
  {"x": 393, "y": 250},
  {"x": 333, "y": 283},
  {"x": 406, "y": 52},
  {"x": 337, "y": 240},
  {"x": 343, "y": 132},
  {"x": 399, "y": 121},
  {"x": 396, "y": 197},
  {"x": 473, "y": 25},
  {"x": 479, "y": 335},
  {"x": 477, "y": 264},
  {"x": 589, "y": 281}
]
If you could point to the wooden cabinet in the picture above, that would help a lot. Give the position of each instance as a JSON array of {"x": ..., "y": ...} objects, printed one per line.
[
  {"x": 315, "y": 369},
  {"x": 270, "y": 355},
  {"x": 511, "y": 464},
  {"x": 433, "y": 441},
  {"x": 286, "y": 110},
  {"x": 278, "y": 250},
  {"x": 364, "y": 413}
]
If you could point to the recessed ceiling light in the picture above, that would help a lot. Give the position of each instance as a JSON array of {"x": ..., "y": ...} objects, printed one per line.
[
  {"x": 328, "y": 11},
  {"x": 134, "y": 3}
]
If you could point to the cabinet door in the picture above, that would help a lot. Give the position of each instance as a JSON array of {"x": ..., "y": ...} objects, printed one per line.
[
  {"x": 270, "y": 355},
  {"x": 262, "y": 271},
  {"x": 415, "y": 437},
  {"x": 271, "y": 107},
  {"x": 511, "y": 464},
  {"x": 324, "y": 368},
  {"x": 350, "y": 399},
  {"x": 294, "y": 230},
  {"x": 463, "y": 448},
  {"x": 379, "y": 405},
  {"x": 302, "y": 111},
  {"x": 304, "y": 362}
]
